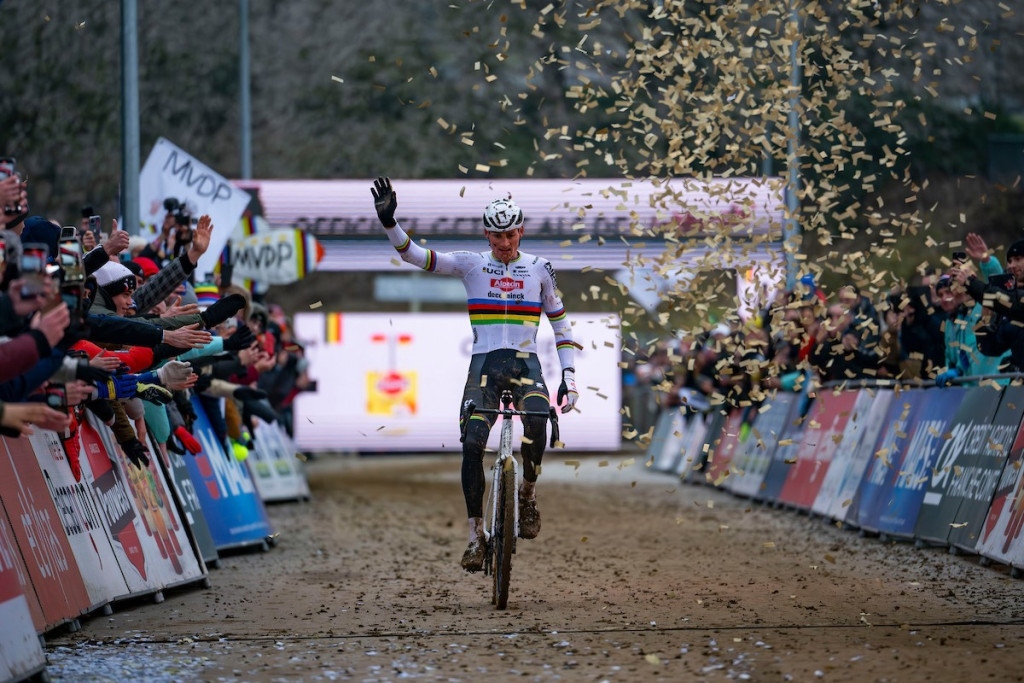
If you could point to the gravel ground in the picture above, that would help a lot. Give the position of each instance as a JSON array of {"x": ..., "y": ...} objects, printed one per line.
[{"x": 634, "y": 577}]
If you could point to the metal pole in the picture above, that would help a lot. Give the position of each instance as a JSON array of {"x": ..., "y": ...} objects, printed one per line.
[
  {"x": 791, "y": 226},
  {"x": 243, "y": 74},
  {"x": 129, "y": 117}
]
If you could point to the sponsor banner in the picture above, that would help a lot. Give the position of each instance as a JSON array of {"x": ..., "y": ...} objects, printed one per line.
[
  {"x": 115, "y": 505},
  {"x": 981, "y": 477},
  {"x": 1001, "y": 537},
  {"x": 660, "y": 453},
  {"x": 693, "y": 473},
  {"x": 167, "y": 556},
  {"x": 21, "y": 654},
  {"x": 276, "y": 257},
  {"x": 226, "y": 492},
  {"x": 716, "y": 469},
  {"x": 692, "y": 444},
  {"x": 855, "y": 451},
  {"x": 277, "y": 472},
  {"x": 170, "y": 171},
  {"x": 394, "y": 382},
  {"x": 962, "y": 471},
  {"x": 190, "y": 507},
  {"x": 753, "y": 455},
  {"x": 897, "y": 479},
  {"x": 785, "y": 453},
  {"x": 885, "y": 455},
  {"x": 825, "y": 424},
  {"x": 554, "y": 208},
  {"x": 80, "y": 519},
  {"x": 36, "y": 525},
  {"x": 897, "y": 515}
]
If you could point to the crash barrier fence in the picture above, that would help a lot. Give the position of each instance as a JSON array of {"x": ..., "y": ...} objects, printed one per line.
[
  {"x": 74, "y": 547},
  {"x": 936, "y": 466}
]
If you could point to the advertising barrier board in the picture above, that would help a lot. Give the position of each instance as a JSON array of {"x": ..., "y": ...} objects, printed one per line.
[
  {"x": 977, "y": 488},
  {"x": 1001, "y": 535},
  {"x": 233, "y": 509},
  {"x": 855, "y": 451},
  {"x": 785, "y": 454},
  {"x": 691, "y": 446},
  {"x": 21, "y": 654},
  {"x": 275, "y": 469},
  {"x": 167, "y": 557},
  {"x": 660, "y": 452},
  {"x": 717, "y": 467},
  {"x": 964, "y": 469},
  {"x": 190, "y": 508},
  {"x": 81, "y": 521},
  {"x": 693, "y": 471},
  {"x": 825, "y": 424},
  {"x": 37, "y": 530},
  {"x": 755, "y": 454}
]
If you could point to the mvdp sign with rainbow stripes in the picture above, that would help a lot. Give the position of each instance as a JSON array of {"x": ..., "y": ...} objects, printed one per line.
[{"x": 277, "y": 257}]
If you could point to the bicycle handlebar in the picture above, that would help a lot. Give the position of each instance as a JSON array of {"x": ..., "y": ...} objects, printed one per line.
[{"x": 470, "y": 409}]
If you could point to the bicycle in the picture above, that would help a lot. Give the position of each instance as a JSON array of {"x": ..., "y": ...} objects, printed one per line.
[{"x": 503, "y": 501}]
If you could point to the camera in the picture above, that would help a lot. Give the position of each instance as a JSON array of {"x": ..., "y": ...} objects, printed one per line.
[
  {"x": 57, "y": 397},
  {"x": 959, "y": 257},
  {"x": 32, "y": 268},
  {"x": 8, "y": 169},
  {"x": 96, "y": 227},
  {"x": 180, "y": 211}
]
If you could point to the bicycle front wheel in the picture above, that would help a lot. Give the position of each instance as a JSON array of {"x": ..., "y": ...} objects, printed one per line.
[{"x": 504, "y": 533}]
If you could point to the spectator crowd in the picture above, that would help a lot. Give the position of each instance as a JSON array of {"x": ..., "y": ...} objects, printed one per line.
[
  {"x": 957, "y": 326},
  {"x": 96, "y": 320}
]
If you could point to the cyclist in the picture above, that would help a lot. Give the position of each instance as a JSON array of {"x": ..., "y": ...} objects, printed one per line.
[{"x": 506, "y": 289}]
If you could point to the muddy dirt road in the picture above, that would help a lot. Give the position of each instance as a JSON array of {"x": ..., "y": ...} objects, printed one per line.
[{"x": 634, "y": 577}]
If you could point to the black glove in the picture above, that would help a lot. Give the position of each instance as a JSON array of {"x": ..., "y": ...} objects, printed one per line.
[
  {"x": 249, "y": 394},
  {"x": 222, "y": 310},
  {"x": 385, "y": 201},
  {"x": 101, "y": 409},
  {"x": 241, "y": 339},
  {"x": 87, "y": 372},
  {"x": 188, "y": 415},
  {"x": 203, "y": 383},
  {"x": 137, "y": 453},
  {"x": 260, "y": 409}
]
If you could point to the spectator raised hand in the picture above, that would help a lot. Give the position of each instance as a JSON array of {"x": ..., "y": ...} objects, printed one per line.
[
  {"x": 189, "y": 337},
  {"x": 976, "y": 248},
  {"x": 117, "y": 242},
  {"x": 21, "y": 417},
  {"x": 200, "y": 239}
]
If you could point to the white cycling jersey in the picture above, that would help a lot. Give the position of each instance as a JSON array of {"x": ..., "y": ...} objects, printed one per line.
[{"x": 505, "y": 300}]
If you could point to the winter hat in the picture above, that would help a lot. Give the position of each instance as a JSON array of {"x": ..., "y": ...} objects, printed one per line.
[
  {"x": 207, "y": 294},
  {"x": 38, "y": 230},
  {"x": 1016, "y": 249},
  {"x": 148, "y": 265},
  {"x": 114, "y": 278}
]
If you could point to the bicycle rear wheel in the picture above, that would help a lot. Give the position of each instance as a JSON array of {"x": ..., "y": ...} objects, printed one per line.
[{"x": 504, "y": 533}]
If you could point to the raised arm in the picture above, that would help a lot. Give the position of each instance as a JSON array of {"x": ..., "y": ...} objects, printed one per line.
[
  {"x": 564, "y": 344},
  {"x": 385, "y": 201}
]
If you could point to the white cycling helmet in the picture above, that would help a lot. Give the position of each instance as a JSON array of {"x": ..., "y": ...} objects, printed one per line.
[{"x": 502, "y": 215}]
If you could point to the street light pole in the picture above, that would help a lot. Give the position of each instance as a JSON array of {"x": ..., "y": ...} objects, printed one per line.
[
  {"x": 791, "y": 225},
  {"x": 129, "y": 117},
  {"x": 244, "y": 98}
]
